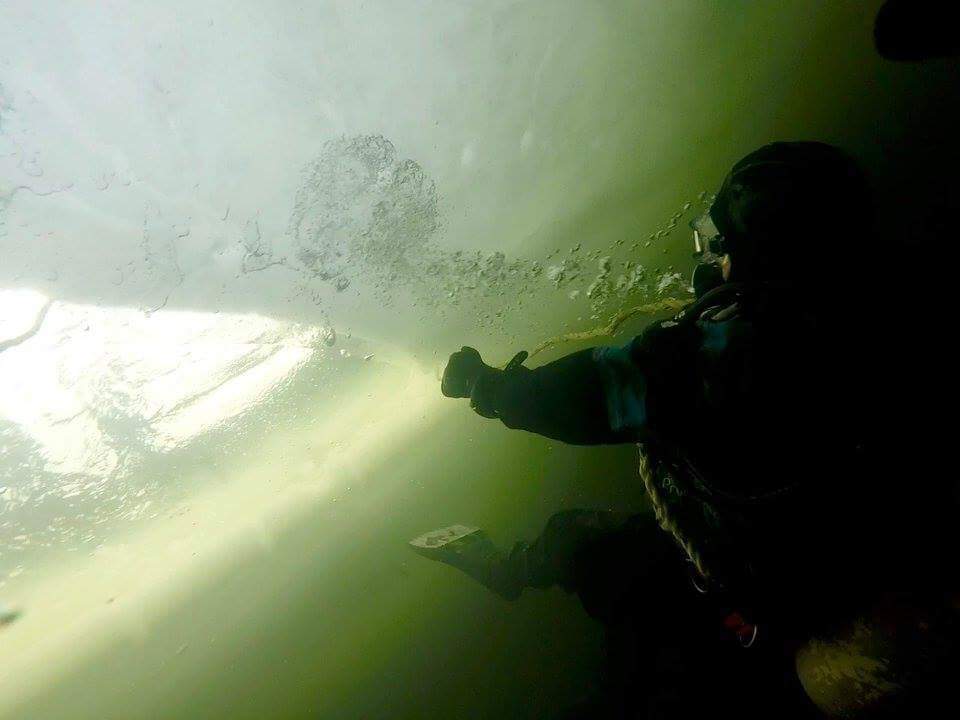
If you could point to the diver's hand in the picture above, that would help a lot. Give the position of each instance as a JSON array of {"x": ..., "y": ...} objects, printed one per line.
[{"x": 463, "y": 370}]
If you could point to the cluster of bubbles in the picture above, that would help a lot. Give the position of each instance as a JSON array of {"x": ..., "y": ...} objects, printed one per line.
[
  {"x": 367, "y": 219},
  {"x": 363, "y": 210}
]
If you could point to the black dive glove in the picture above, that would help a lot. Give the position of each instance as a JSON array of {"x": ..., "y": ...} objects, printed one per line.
[
  {"x": 467, "y": 375},
  {"x": 463, "y": 370}
]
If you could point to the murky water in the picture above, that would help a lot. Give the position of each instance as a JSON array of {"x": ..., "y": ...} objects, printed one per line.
[{"x": 238, "y": 242}]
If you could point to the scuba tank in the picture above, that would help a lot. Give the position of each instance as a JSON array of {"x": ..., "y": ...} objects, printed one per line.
[{"x": 897, "y": 658}]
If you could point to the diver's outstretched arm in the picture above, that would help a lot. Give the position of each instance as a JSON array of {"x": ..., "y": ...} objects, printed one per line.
[{"x": 589, "y": 397}]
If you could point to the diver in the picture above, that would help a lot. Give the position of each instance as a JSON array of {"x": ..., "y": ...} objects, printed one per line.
[
  {"x": 763, "y": 414},
  {"x": 748, "y": 404}
]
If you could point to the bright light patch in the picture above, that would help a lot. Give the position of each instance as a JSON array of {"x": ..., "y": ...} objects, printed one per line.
[{"x": 70, "y": 373}]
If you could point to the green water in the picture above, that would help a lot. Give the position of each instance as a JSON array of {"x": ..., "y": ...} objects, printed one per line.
[
  {"x": 542, "y": 125},
  {"x": 336, "y": 618}
]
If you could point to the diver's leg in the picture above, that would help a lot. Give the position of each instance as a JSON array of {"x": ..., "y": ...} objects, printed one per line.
[
  {"x": 566, "y": 551},
  {"x": 469, "y": 550},
  {"x": 579, "y": 550}
]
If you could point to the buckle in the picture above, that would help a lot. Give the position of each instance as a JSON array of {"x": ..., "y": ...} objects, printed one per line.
[{"x": 746, "y": 632}]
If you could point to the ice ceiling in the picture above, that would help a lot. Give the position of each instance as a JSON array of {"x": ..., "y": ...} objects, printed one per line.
[{"x": 383, "y": 166}]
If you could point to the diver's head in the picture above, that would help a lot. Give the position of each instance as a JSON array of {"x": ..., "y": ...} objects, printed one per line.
[{"x": 781, "y": 205}]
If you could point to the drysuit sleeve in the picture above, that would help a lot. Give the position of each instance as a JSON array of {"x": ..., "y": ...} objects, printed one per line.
[{"x": 591, "y": 397}]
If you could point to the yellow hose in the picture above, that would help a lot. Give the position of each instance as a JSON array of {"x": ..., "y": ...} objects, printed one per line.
[{"x": 611, "y": 328}]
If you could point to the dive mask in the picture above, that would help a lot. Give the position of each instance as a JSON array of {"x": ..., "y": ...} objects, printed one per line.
[
  {"x": 707, "y": 240},
  {"x": 709, "y": 248}
]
